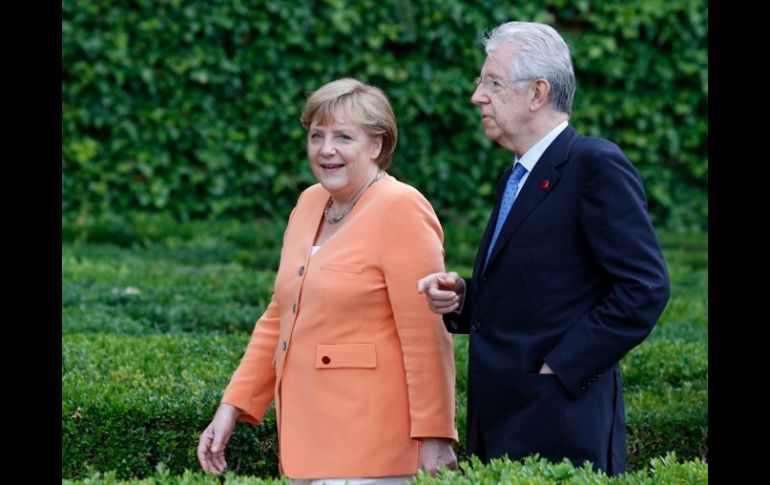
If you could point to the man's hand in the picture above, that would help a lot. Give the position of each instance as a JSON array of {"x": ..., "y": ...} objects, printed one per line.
[
  {"x": 444, "y": 291},
  {"x": 435, "y": 453}
]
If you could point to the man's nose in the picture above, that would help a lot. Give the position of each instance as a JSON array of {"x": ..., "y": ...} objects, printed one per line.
[{"x": 479, "y": 96}]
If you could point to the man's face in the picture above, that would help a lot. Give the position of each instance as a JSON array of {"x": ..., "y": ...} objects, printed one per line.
[{"x": 504, "y": 105}]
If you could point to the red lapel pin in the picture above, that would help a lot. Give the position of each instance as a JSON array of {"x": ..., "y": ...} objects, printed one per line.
[{"x": 544, "y": 184}]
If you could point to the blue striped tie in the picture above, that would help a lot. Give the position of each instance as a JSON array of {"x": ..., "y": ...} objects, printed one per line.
[{"x": 505, "y": 206}]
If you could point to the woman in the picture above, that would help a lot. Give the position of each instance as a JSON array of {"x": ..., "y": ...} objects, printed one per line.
[{"x": 362, "y": 372}]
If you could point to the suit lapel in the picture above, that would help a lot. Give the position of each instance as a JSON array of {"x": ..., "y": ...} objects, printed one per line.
[
  {"x": 481, "y": 255},
  {"x": 539, "y": 184}
]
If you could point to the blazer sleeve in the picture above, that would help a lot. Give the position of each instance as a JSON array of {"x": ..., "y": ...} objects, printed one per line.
[
  {"x": 252, "y": 386},
  {"x": 412, "y": 246},
  {"x": 613, "y": 218}
]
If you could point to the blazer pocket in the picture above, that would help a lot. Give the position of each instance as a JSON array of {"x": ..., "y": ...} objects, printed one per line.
[
  {"x": 342, "y": 356},
  {"x": 342, "y": 267}
]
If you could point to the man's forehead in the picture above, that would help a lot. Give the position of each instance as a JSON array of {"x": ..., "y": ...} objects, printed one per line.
[{"x": 498, "y": 59}]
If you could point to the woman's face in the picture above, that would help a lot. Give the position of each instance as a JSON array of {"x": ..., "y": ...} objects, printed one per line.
[{"x": 342, "y": 156}]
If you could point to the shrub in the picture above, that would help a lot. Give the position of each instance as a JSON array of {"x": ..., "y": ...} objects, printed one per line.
[{"x": 191, "y": 108}]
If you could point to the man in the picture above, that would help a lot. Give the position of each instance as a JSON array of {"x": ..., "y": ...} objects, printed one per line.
[{"x": 569, "y": 276}]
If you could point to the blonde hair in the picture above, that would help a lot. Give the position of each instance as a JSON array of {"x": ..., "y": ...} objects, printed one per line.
[{"x": 358, "y": 103}]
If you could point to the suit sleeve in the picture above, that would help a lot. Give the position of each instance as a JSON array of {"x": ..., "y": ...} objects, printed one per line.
[
  {"x": 412, "y": 246},
  {"x": 460, "y": 321},
  {"x": 613, "y": 218}
]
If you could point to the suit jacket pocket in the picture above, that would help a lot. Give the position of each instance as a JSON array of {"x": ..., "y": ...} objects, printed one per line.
[
  {"x": 342, "y": 267},
  {"x": 542, "y": 418},
  {"x": 345, "y": 356},
  {"x": 541, "y": 236}
]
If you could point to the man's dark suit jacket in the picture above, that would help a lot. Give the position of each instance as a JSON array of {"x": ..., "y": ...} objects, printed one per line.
[{"x": 577, "y": 279}]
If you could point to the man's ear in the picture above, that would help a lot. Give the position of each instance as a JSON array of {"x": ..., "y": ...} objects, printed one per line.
[{"x": 541, "y": 89}]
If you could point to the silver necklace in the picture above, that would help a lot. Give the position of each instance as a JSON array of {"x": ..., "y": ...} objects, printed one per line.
[{"x": 345, "y": 212}]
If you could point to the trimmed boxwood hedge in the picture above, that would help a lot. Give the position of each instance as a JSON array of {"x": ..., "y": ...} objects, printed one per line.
[
  {"x": 217, "y": 275},
  {"x": 531, "y": 471},
  {"x": 129, "y": 403},
  {"x": 157, "y": 313}
]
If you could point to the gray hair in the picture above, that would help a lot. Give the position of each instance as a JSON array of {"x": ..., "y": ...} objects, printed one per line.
[{"x": 541, "y": 53}]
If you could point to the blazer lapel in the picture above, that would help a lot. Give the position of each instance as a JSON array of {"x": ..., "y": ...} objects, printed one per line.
[
  {"x": 539, "y": 184},
  {"x": 308, "y": 218}
]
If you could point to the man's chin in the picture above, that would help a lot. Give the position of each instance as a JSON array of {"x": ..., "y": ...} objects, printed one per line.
[{"x": 491, "y": 135}]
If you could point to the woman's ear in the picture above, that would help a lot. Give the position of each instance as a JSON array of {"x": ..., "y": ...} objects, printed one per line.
[{"x": 376, "y": 147}]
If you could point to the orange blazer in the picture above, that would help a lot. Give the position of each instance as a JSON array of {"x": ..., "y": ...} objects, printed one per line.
[{"x": 359, "y": 367}]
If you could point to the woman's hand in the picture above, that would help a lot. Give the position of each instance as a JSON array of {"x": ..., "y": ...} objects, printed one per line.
[
  {"x": 213, "y": 440},
  {"x": 435, "y": 453}
]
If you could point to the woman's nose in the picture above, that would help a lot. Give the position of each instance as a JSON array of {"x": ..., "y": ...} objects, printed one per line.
[{"x": 327, "y": 148}]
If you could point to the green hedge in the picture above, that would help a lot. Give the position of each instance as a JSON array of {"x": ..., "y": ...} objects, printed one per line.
[
  {"x": 218, "y": 275},
  {"x": 666, "y": 395},
  {"x": 655, "y": 365},
  {"x": 129, "y": 403},
  {"x": 666, "y": 362},
  {"x": 257, "y": 242},
  {"x": 530, "y": 471},
  {"x": 666, "y": 419},
  {"x": 136, "y": 296},
  {"x": 191, "y": 107}
]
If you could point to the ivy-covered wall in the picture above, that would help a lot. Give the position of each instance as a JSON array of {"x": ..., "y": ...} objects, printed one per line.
[{"x": 191, "y": 107}]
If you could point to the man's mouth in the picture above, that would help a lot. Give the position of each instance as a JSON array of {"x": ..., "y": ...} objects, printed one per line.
[{"x": 331, "y": 166}]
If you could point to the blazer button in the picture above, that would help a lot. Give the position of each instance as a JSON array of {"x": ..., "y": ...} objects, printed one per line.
[
  {"x": 283, "y": 346},
  {"x": 294, "y": 308},
  {"x": 301, "y": 270},
  {"x": 325, "y": 359}
]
